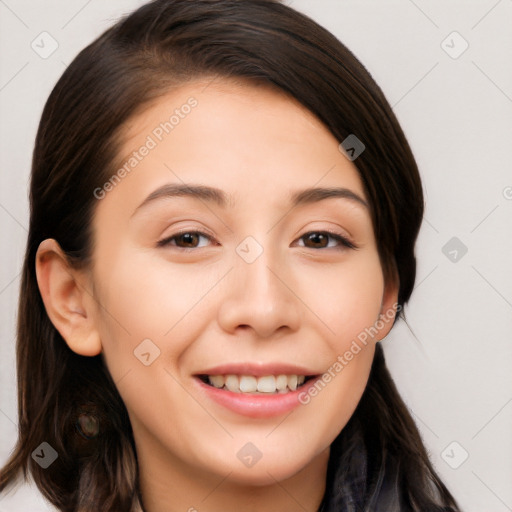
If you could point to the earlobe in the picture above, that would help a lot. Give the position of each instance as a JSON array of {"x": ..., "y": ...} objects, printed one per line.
[{"x": 66, "y": 300}]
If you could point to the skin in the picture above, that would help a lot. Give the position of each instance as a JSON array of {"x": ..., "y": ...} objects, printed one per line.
[{"x": 205, "y": 306}]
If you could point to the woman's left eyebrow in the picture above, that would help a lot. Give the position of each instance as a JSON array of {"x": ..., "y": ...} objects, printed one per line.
[
  {"x": 215, "y": 195},
  {"x": 312, "y": 195}
]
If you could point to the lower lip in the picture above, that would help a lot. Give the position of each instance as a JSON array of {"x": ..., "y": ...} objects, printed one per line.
[{"x": 255, "y": 405}]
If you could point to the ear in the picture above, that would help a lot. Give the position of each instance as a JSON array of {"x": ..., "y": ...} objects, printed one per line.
[
  {"x": 68, "y": 304},
  {"x": 389, "y": 308}
]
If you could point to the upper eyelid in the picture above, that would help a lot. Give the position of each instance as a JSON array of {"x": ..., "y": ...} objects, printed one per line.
[{"x": 198, "y": 230}]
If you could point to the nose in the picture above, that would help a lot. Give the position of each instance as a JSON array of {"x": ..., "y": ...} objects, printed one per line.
[{"x": 259, "y": 297}]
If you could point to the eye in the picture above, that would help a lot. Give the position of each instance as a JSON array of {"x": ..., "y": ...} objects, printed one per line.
[
  {"x": 324, "y": 240},
  {"x": 186, "y": 240}
]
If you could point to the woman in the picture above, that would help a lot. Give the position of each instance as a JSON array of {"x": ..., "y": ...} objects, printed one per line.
[{"x": 223, "y": 217}]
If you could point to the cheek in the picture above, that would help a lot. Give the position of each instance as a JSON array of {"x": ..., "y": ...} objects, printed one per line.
[
  {"x": 346, "y": 298},
  {"x": 148, "y": 326},
  {"x": 143, "y": 299}
]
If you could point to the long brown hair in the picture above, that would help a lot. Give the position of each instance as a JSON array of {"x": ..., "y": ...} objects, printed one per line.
[{"x": 378, "y": 457}]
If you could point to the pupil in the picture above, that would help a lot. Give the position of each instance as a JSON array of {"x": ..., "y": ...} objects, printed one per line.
[
  {"x": 189, "y": 239},
  {"x": 317, "y": 239}
]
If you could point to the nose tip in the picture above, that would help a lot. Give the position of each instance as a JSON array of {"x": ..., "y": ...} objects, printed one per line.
[
  {"x": 257, "y": 299},
  {"x": 266, "y": 321}
]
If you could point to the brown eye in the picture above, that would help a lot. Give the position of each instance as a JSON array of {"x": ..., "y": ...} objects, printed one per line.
[
  {"x": 316, "y": 240},
  {"x": 186, "y": 240},
  {"x": 325, "y": 240}
]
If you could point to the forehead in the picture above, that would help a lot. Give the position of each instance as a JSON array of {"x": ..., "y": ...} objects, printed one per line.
[{"x": 252, "y": 141}]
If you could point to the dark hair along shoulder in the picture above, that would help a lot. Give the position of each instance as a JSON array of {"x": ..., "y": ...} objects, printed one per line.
[{"x": 378, "y": 461}]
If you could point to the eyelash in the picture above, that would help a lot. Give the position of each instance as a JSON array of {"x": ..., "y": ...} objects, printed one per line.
[{"x": 343, "y": 242}]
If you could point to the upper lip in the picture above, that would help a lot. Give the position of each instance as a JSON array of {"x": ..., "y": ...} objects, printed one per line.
[{"x": 257, "y": 369}]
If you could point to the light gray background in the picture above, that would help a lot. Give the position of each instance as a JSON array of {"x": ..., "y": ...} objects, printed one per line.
[{"x": 457, "y": 113}]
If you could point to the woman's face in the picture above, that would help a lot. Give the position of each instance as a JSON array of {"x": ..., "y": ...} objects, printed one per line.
[{"x": 238, "y": 243}]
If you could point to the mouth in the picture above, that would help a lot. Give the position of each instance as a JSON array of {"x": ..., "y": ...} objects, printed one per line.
[
  {"x": 255, "y": 390},
  {"x": 254, "y": 385}
]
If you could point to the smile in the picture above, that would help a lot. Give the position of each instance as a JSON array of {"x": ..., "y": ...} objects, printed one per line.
[
  {"x": 267, "y": 384},
  {"x": 264, "y": 396}
]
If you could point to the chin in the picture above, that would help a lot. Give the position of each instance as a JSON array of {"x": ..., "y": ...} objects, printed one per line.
[
  {"x": 276, "y": 464},
  {"x": 261, "y": 475}
]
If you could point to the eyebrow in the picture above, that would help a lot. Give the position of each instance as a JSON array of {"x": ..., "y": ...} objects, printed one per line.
[
  {"x": 208, "y": 194},
  {"x": 312, "y": 195},
  {"x": 219, "y": 197}
]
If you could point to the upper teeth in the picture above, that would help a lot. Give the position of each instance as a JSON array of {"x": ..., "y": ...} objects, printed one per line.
[{"x": 251, "y": 384}]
